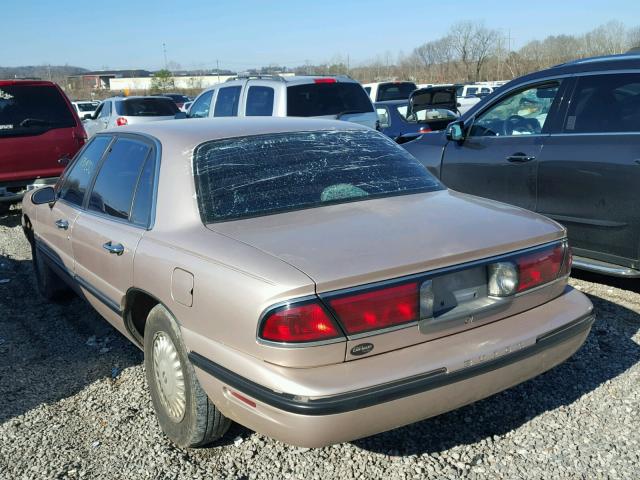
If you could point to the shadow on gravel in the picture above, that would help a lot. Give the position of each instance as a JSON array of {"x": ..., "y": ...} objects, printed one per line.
[
  {"x": 630, "y": 284},
  {"x": 50, "y": 351},
  {"x": 10, "y": 219},
  {"x": 608, "y": 352}
]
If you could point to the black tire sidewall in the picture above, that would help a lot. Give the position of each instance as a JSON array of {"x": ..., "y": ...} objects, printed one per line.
[{"x": 183, "y": 433}]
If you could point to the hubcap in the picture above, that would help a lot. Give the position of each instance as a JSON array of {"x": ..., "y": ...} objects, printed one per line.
[{"x": 169, "y": 377}]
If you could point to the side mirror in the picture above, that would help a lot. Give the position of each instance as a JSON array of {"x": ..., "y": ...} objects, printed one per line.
[
  {"x": 43, "y": 195},
  {"x": 455, "y": 132},
  {"x": 64, "y": 160},
  {"x": 87, "y": 116},
  {"x": 180, "y": 115}
]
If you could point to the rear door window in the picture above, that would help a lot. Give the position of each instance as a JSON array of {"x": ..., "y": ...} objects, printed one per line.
[
  {"x": 383, "y": 116},
  {"x": 395, "y": 91},
  {"x": 143, "y": 197},
  {"x": 259, "y": 101},
  {"x": 105, "y": 111},
  {"x": 147, "y": 107},
  {"x": 201, "y": 106},
  {"x": 318, "y": 99},
  {"x": 113, "y": 191},
  {"x": 81, "y": 172},
  {"x": 32, "y": 110},
  {"x": 605, "y": 104},
  {"x": 227, "y": 102}
]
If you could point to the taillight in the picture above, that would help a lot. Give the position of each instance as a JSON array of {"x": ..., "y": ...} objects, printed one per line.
[
  {"x": 306, "y": 322},
  {"x": 540, "y": 267},
  {"x": 121, "y": 121},
  {"x": 377, "y": 309},
  {"x": 425, "y": 130},
  {"x": 325, "y": 80},
  {"x": 529, "y": 270}
]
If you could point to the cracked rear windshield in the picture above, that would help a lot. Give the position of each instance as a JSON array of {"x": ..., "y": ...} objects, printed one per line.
[{"x": 266, "y": 174}]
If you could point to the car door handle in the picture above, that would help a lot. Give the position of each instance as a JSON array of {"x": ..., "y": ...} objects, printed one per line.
[
  {"x": 116, "y": 248},
  {"x": 520, "y": 158},
  {"x": 63, "y": 224}
]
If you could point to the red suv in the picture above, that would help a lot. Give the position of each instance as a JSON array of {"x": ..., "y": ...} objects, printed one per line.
[{"x": 38, "y": 127}]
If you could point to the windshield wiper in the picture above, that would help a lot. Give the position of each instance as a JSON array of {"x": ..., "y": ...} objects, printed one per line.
[
  {"x": 35, "y": 122},
  {"x": 349, "y": 112}
]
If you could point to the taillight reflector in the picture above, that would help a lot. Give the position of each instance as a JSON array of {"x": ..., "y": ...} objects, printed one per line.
[
  {"x": 325, "y": 80},
  {"x": 540, "y": 267},
  {"x": 308, "y": 322},
  {"x": 377, "y": 309},
  {"x": 121, "y": 121}
]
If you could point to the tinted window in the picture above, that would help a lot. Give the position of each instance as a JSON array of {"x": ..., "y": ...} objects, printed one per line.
[
  {"x": 32, "y": 109},
  {"x": 522, "y": 113},
  {"x": 105, "y": 111},
  {"x": 316, "y": 99},
  {"x": 147, "y": 107},
  {"x": 395, "y": 91},
  {"x": 81, "y": 172},
  {"x": 605, "y": 103},
  {"x": 115, "y": 184},
  {"x": 259, "y": 102},
  {"x": 227, "y": 102},
  {"x": 265, "y": 174},
  {"x": 200, "y": 107},
  {"x": 383, "y": 116},
  {"x": 85, "y": 107},
  {"x": 143, "y": 199}
]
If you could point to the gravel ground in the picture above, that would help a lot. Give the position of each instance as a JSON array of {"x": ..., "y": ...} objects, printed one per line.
[{"x": 74, "y": 404}]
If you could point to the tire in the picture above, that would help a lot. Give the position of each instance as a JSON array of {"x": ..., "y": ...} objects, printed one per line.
[
  {"x": 49, "y": 285},
  {"x": 188, "y": 419}
]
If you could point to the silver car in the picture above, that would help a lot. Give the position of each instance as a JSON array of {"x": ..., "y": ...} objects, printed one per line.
[
  {"x": 332, "y": 97},
  {"x": 120, "y": 111}
]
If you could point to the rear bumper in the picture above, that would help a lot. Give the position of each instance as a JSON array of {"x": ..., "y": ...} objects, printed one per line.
[
  {"x": 12, "y": 192},
  {"x": 301, "y": 419}
]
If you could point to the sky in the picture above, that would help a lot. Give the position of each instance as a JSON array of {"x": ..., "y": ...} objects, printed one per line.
[{"x": 242, "y": 34}]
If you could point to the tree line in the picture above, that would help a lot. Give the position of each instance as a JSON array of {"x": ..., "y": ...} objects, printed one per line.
[{"x": 470, "y": 52}]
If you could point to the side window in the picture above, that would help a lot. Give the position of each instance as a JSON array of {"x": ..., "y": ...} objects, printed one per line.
[
  {"x": 605, "y": 103},
  {"x": 113, "y": 190},
  {"x": 81, "y": 172},
  {"x": 522, "y": 113},
  {"x": 368, "y": 90},
  {"x": 200, "y": 108},
  {"x": 383, "y": 116},
  {"x": 106, "y": 110},
  {"x": 227, "y": 102},
  {"x": 98, "y": 111},
  {"x": 259, "y": 101},
  {"x": 143, "y": 198}
]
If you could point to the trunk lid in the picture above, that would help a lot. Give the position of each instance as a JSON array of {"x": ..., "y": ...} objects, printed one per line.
[{"x": 356, "y": 243}]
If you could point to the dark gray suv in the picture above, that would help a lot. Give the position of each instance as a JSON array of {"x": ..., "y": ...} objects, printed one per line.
[{"x": 564, "y": 142}]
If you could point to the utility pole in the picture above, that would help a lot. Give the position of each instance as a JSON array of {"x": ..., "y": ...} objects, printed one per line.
[
  {"x": 164, "y": 51},
  {"x": 218, "y": 69},
  {"x": 348, "y": 69}
]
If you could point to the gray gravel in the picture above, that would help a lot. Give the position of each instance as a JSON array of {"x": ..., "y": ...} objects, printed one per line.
[{"x": 74, "y": 404}]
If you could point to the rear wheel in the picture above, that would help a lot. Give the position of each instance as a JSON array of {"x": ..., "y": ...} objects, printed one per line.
[{"x": 185, "y": 413}]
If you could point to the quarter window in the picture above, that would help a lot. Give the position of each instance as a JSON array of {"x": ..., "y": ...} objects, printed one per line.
[
  {"x": 115, "y": 184},
  {"x": 523, "y": 113},
  {"x": 106, "y": 110},
  {"x": 383, "y": 116},
  {"x": 259, "y": 101},
  {"x": 77, "y": 180},
  {"x": 200, "y": 108},
  {"x": 142, "y": 202},
  {"x": 605, "y": 103},
  {"x": 227, "y": 102}
]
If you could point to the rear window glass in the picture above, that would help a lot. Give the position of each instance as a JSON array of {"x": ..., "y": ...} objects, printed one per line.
[
  {"x": 395, "y": 91},
  {"x": 30, "y": 110},
  {"x": 259, "y": 101},
  {"x": 86, "y": 107},
  {"x": 147, "y": 107},
  {"x": 267, "y": 174},
  {"x": 317, "y": 99}
]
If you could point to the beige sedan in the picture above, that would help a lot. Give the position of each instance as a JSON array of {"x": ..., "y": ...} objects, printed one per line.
[{"x": 306, "y": 278}]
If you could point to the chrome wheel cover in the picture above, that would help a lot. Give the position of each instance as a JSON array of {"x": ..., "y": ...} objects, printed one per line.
[{"x": 169, "y": 376}]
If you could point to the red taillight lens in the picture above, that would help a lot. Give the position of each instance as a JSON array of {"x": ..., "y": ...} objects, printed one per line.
[
  {"x": 325, "y": 80},
  {"x": 540, "y": 267},
  {"x": 424, "y": 130},
  {"x": 299, "y": 323},
  {"x": 377, "y": 309},
  {"x": 121, "y": 121}
]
